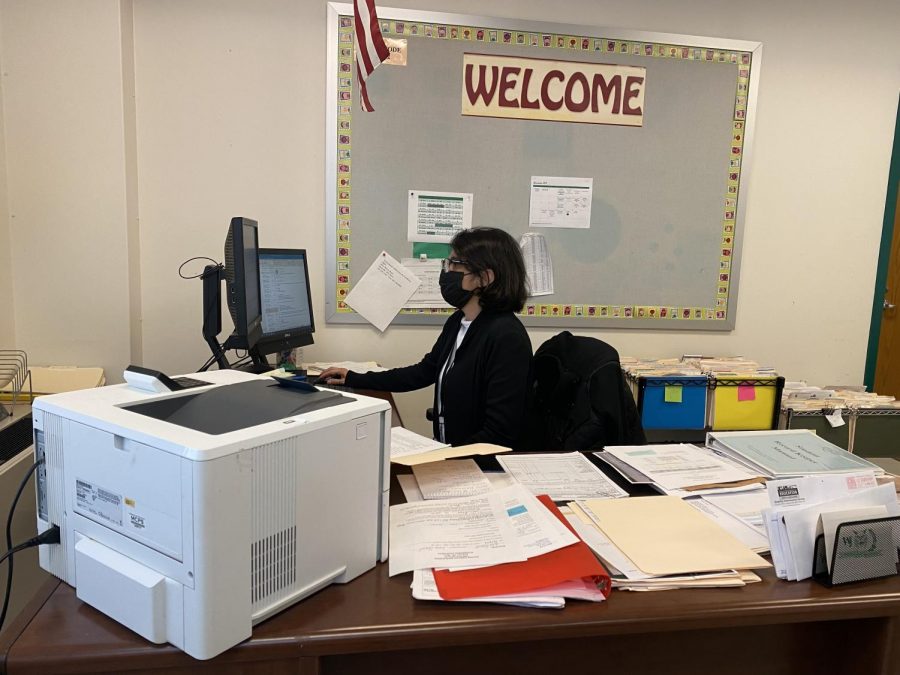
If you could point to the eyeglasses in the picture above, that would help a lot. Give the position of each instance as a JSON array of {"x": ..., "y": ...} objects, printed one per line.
[{"x": 446, "y": 262}]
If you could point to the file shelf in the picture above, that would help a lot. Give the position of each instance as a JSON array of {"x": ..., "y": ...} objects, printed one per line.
[{"x": 868, "y": 432}]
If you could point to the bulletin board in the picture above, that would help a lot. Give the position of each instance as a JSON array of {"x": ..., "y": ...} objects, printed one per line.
[{"x": 667, "y": 211}]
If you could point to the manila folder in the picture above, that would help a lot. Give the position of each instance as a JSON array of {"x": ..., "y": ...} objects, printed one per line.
[{"x": 664, "y": 535}]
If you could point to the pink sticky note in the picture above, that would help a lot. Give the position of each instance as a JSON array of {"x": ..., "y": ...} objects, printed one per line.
[{"x": 746, "y": 392}]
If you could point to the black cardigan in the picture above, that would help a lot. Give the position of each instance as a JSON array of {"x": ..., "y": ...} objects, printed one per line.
[{"x": 485, "y": 391}]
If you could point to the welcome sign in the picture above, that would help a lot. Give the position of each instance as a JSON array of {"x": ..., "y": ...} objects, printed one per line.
[{"x": 563, "y": 91}]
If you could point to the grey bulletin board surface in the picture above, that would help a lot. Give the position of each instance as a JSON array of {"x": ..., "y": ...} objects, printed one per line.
[{"x": 663, "y": 247}]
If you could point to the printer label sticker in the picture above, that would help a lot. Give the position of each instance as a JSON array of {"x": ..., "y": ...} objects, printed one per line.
[{"x": 102, "y": 503}]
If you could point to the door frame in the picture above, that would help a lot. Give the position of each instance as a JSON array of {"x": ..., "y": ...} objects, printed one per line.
[{"x": 884, "y": 258}]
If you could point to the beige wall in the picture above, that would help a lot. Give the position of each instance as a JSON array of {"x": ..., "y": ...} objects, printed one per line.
[
  {"x": 62, "y": 79},
  {"x": 228, "y": 118},
  {"x": 7, "y": 307}
]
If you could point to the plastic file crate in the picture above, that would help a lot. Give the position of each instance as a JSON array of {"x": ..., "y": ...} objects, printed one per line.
[
  {"x": 745, "y": 404},
  {"x": 675, "y": 402}
]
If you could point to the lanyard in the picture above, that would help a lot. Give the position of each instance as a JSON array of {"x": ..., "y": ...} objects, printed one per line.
[{"x": 440, "y": 384}]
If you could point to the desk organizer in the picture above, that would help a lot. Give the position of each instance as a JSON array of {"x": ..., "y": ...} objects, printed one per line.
[
  {"x": 672, "y": 402},
  {"x": 745, "y": 404},
  {"x": 863, "y": 549}
]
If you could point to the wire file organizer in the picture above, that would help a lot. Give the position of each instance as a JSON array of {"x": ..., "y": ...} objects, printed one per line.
[
  {"x": 862, "y": 550},
  {"x": 14, "y": 375}
]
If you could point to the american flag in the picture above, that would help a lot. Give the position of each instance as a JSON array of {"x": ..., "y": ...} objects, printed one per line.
[{"x": 370, "y": 47}]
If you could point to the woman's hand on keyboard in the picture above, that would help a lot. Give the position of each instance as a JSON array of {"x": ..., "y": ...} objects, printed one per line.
[{"x": 332, "y": 376}]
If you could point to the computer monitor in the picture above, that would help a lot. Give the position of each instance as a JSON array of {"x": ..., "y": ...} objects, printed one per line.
[
  {"x": 242, "y": 283},
  {"x": 287, "y": 314}
]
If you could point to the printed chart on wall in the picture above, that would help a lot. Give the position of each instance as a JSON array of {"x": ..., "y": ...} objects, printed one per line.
[{"x": 617, "y": 159}]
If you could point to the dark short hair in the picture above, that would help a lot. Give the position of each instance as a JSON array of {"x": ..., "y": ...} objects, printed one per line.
[{"x": 488, "y": 248}]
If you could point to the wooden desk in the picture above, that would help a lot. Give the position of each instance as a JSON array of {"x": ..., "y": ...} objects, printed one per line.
[{"x": 372, "y": 625}]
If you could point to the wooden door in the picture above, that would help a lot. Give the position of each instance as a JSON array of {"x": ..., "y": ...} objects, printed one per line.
[{"x": 887, "y": 369}]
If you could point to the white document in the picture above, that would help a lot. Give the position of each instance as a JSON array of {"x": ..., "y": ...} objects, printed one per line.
[
  {"x": 452, "y": 533},
  {"x": 800, "y": 492},
  {"x": 538, "y": 264},
  {"x": 807, "y": 490},
  {"x": 562, "y": 477},
  {"x": 405, "y": 442},
  {"x": 411, "y": 491},
  {"x": 451, "y": 478},
  {"x": 625, "y": 470},
  {"x": 538, "y": 530},
  {"x": 410, "y": 488},
  {"x": 748, "y": 506},
  {"x": 679, "y": 466},
  {"x": 428, "y": 272},
  {"x": 437, "y": 216},
  {"x": 754, "y": 540},
  {"x": 382, "y": 291},
  {"x": 424, "y": 588},
  {"x": 560, "y": 202}
]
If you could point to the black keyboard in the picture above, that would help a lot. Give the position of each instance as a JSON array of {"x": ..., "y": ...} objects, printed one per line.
[
  {"x": 189, "y": 382},
  {"x": 336, "y": 387}
]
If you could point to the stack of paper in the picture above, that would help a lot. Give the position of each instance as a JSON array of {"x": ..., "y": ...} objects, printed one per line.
[
  {"x": 409, "y": 448},
  {"x": 561, "y": 476},
  {"x": 800, "y": 508},
  {"x": 680, "y": 469},
  {"x": 502, "y": 545},
  {"x": 782, "y": 454},
  {"x": 661, "y": 543},
  {"x": 801, "y": 396}
]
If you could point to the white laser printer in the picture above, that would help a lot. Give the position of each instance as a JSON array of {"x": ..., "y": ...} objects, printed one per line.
[{"x": 190, "y": 516}]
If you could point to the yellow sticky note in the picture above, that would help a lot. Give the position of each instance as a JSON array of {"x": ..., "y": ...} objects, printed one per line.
[{"x": 673, "y": 393}]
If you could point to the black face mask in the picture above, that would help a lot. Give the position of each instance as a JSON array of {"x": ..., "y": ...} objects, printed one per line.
[{"x": 452, "y": 290}]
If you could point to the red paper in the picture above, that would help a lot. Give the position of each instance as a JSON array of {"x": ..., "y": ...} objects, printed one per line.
[{"x": 572, "y": 562}]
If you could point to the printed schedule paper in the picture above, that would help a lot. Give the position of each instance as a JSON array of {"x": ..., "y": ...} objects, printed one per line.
[
  {"x": 562, "y": 477},
  {"x": 560, "y": 202},
  {"x": 437, "y": 216}
]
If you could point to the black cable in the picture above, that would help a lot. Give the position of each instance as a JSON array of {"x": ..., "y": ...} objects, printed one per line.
[
  {"x": 198, "y": 257},
  {"x": 49, "y": 536},
  {"x": 9, "y": 521}
]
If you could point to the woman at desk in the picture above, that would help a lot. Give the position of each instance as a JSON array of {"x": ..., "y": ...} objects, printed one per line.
[{"x": 480, "y": 364}]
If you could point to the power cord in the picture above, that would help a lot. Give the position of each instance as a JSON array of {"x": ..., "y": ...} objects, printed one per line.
[
  {"x": 50, "y": 536},
  {"x": 199, "y": 257}
]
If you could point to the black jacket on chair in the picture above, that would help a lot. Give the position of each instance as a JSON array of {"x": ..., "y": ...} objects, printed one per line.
[
  {"x": 484, "y": 393},
  {"x": 580, "y": 400}
]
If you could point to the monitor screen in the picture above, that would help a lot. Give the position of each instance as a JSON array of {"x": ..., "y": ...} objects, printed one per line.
[
  {"x": 287, "y": 315},
  {"x": 242, "y": 283}
]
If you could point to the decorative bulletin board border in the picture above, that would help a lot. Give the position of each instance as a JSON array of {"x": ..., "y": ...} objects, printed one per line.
[{"x": 560, "y": 43}]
